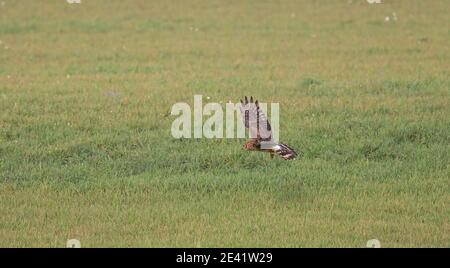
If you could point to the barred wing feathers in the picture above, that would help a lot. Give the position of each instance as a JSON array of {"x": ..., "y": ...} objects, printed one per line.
[
  {"x": 285, "y": 151},
  {"x": 255, "y": 120},
  {"x": 260, "y": 131}
]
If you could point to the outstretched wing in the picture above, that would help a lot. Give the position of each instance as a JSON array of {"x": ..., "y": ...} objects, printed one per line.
[{"x": 255, "y": 120}]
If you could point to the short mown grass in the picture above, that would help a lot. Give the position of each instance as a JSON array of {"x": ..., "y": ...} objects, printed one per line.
[{"x": 85, "y": 145}]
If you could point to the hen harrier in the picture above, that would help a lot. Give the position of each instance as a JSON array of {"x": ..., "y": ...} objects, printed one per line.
[{"x": 258, "y": 125}]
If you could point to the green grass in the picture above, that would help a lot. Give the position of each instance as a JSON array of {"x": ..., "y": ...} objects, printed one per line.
[{"x": 85, "y": 144}]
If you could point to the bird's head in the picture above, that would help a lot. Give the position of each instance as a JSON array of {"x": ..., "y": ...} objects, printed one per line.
[{"x": 251, "y": 145}]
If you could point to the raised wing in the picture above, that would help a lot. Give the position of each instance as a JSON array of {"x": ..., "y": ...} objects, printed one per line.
[{"x": 255, "y": 120}]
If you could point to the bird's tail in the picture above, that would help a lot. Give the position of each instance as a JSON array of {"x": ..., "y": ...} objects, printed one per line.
[{"x": 285, "y": 151}]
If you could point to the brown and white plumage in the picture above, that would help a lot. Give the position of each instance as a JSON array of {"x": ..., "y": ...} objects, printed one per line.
[{"x": 261, "y": 132}]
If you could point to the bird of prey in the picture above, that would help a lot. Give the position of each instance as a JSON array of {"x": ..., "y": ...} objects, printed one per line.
[{"x": 257, "y": 124}]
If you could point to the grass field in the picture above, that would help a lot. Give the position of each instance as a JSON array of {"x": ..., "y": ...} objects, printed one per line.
[{"x": 85, "y": 145}]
